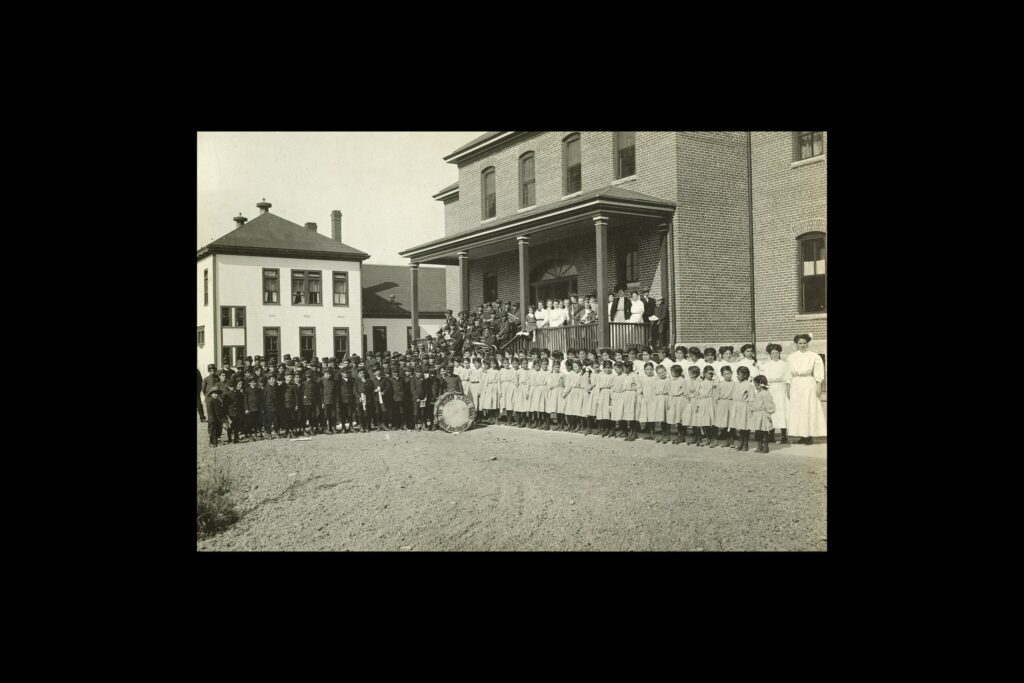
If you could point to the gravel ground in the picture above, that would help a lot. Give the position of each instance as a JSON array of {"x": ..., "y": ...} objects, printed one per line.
[{"x": 504, "y": 488}]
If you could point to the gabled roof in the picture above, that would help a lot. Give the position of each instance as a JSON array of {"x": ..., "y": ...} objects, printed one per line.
[
  {"x": 453, "y": 186},
  {"x": 270, "y": 235},
  {"x": 380, "y": 282},
  {"x": 476, "y": 141}
]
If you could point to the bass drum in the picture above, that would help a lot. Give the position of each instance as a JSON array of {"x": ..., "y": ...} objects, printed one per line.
[{"x": 454, "y": 412}]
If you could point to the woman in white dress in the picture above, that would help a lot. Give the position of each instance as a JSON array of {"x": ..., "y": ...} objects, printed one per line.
[
  {"x": 541, "y": 315},
  {"x": 558, "y": 315},
  {"x": 776, "y": 372},
  {"x": 806, "y": 417},
  {"x": 636, "y": 310}
]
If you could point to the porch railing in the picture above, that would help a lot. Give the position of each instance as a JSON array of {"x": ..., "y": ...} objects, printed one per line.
[{"x": 579, "y": 337}]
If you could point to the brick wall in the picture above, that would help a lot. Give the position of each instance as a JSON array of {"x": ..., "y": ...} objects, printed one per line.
[
  {"x": 705, "y": 173},
  {"x": 788, "y": 202},
  {"x": 712, "y": 237}
]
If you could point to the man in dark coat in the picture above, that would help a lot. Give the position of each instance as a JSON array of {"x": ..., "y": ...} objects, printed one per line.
[
  {"x": 399, "y": 392},
  {"x": 253, "y": 405},
  {"x": 310, "y": 402},
  {"x": 649, "y": 305},
  {"x": 659, "y": 327},
  {"x": 421, "y": 389},
  {"x": 209, "y": 381}
]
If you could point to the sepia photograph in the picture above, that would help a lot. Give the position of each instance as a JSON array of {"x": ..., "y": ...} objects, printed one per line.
[{"x": 516, "y": 341}]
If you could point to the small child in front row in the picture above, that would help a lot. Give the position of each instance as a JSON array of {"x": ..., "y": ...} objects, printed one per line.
[
  {"x": 691, "y": 386},
  {"x": 761, "y": 408},
  {"x": 661, "y": 398},
  {"x": 215, "y": 415},
  {"x": 739, "y": 417}
]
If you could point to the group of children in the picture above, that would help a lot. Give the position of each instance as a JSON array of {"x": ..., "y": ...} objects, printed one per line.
[
  {"x": 620, "y": 398},
  {"x": 611, "y": 393}
]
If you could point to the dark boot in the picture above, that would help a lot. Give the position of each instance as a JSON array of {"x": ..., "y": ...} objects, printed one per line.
[
  {"x": 810, "y": 441},
  {"x": 784, "y": 439},
  {"x": 713, "y": 438},
  {"x": 771, "y": 436},
  {"x": 729, "y": 437},
  {"x": 680, "y": 435}
]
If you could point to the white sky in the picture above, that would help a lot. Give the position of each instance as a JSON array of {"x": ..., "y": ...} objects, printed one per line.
[{"x": 382, "y": 182}]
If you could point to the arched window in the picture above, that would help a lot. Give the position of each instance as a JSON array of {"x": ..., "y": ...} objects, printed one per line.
[
  {"x": 527, "y": 183},
  {"x": 812, "y": 261},
  {"x": 572, "y": 176},
  {"x": 489, "y": 206},
  {"x": 625, "y": 154},
  {"x": 553, "y": 280}
]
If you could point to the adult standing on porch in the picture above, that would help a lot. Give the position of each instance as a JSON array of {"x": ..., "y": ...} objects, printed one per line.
[
  {"x": 659, "y": 327},
  {"x": 636, "y": 310},
  {"x": 806, "y": 418},
  {"x": 620, "y": 309},
  {"x": 558, "y": 315},
  {"x": 541, "y": 316}
]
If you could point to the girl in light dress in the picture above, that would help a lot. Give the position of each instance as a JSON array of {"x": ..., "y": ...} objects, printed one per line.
[
  {"x": 776, "y": 372},
  {"x": 806, "y": 417},
  {"x": 571, "y": 382},
  {"x": 490, "y": 389},
  {"x": 631, "y": 387},
  {"x": 577, "y": 400},
  {"x": 600, "y": 406},
  {"x": 521, "y": 397},
  {"x": 747, "y": 359},
  {"x": 615, "y": 387},
  {"x": 592, "y": 370},
  {"x": 677, "y": 403},
  {"x": 507, "y": 379},
  {"x": 739, "y": 418},
  {"x": 761, "y": 408},
  {"x": 660, "y": 404},
  {"x": 539, "y": 394},
  {"x": 645, "y": 409},
  {"x": 691, "y": 385},
  {"x": 723, "y": 406},
  {"x": 555, "y": 382},
  {"x": 473, "y": 387},
  {"x": 704, "y": 408}
]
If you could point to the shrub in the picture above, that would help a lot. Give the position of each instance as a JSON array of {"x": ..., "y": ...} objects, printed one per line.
[{"x": 215, "y": 509}]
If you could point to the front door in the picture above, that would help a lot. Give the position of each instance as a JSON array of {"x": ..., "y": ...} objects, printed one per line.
[{"x": 380, "y": 339}]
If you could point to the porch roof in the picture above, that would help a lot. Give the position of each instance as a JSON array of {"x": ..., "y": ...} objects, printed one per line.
[{"x": 610, "y": 201}]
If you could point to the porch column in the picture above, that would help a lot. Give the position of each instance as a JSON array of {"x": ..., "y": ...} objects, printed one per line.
[
  {"x": 601, "y": 237},
  {"x": 664, "y": 230},
  {"x": 524, "y": 276},
  {"x": 464, "y": 280},
  {"x": 672, "y": 286},
  {"x": 414, "y": 274}
]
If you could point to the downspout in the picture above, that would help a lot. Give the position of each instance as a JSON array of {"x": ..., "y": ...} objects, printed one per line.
[
  {"x": 216, "y": 316},
  {"x": 750, "y": 214}
]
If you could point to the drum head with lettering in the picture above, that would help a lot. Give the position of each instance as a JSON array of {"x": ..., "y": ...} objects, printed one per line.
[{"x": 454, "y": 412}]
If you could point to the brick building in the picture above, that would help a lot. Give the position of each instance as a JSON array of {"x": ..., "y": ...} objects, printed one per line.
[{"x": 541, "y": 214}]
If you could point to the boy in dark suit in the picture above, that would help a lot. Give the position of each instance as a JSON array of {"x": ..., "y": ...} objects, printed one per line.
[
  {"x": 330, "y": 400},
  {"x": 382, "y": 394},
  {"x": 253, "y": 405},
  {"x": 346, "y": 400},
  {"x": 399, "y": 389},
  {"x": 310, "y": 399},
  {"x": 216, "y": 414}
]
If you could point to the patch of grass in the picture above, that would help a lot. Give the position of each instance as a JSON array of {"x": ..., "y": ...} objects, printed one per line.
[{"x": 215, "y": 509}]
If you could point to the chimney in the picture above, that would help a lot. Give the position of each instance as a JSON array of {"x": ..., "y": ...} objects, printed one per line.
[
  {"x": 311, "y": 226},
  {"x": 240, "y": 221},
  {"x": 336, "y": 225},
  {"x": 264, "y": 206}
]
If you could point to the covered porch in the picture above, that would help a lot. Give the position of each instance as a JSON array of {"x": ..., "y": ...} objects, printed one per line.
[{"x": 568, "y": 228}]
